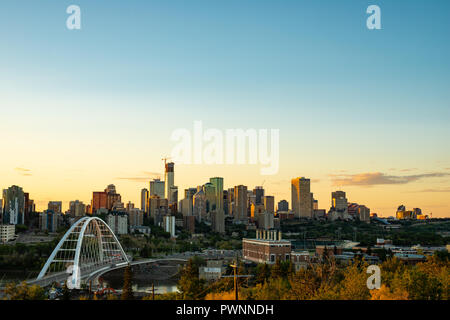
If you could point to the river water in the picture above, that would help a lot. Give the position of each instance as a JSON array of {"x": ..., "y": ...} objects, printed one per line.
[{"x": 144, "y": 286}]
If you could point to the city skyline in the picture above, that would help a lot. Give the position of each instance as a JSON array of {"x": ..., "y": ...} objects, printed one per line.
[
  {"x": 42, "y": 205},
  {"x": 363, "y": 111}
]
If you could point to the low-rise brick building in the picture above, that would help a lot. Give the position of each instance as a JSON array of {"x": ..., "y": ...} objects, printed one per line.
[{"x": 266, "y": 248}]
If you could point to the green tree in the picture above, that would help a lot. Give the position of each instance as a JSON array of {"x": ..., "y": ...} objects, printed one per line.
[
  {"x": 274, "y": 289},
  {"x": 277, "y": 270},
  {"x": 262, "y": 273},
  {"x": 189, "y": 285},
  {"x": 443, "y": 256},
  {"x": 422, "y": 286},
  {"x": 325, "y": 254},
  {"x": 288, "y": 269}
]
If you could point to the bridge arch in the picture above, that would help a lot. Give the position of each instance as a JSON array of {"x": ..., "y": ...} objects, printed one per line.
[{"x": 89, "y": 245}]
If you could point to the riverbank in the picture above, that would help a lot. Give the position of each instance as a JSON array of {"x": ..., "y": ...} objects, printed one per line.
[{"x": 162, "y": 275}]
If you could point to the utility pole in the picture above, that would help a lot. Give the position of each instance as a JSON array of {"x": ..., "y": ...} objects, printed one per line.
[
  {"x": 153, "y": 291},
  {"x": 236, "y": 293},
  {"x": 236, "y": 276}
]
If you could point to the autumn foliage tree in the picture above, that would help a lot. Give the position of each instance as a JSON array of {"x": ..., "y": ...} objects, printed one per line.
[
  {"x": 429, "y": 280},
  {"x": 23, "y": 291},
  {"x": 385, "y": 293}
]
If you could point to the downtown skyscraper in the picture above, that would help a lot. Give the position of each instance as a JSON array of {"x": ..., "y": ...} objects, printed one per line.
[
  {"x": 144, "y": 199},
  {"x": 157, "y": 188},
  {"x": 259, "y": 194},
  {"x": 169, "y": 179},
  {"x": 302, "y": 198},
  {"x": 240, "y": 203},
  {"x": 217, "y": 182},
  {"x": 13, "y": 205}
]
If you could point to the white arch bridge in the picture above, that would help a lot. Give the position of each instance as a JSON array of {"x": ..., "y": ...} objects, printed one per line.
[
  {"x": 85, "y": 252},
  {"x": 87, "y": 247}
]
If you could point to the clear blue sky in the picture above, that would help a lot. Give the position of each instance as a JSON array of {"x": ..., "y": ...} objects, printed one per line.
[
  {"x": 272, "y": 52},
  {"x": 310, "y": 68}
]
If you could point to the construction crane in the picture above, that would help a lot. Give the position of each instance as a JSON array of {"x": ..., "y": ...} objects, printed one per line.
[{"x": 165, "y": 160}]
